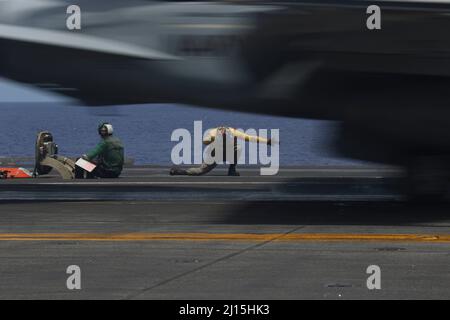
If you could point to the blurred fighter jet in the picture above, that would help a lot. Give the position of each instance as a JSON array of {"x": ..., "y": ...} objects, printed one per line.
[{"x": 389, "y": 87}]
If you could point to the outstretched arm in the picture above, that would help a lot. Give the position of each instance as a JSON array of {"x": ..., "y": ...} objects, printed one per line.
[
  {"x": 98, "y": 150},
  {"x": 249, "y": 138}
]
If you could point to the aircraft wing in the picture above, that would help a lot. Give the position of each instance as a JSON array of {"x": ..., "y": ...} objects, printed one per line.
[
  {"x": 127, "y": 51},
  {"x": 288, "y": 59},
  {"x": 67, "y": 40}
]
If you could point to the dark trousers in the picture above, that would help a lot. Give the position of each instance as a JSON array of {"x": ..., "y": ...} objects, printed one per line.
[
  {"x": 102, "y": 172},
  {"x": 205, "y": 168}
]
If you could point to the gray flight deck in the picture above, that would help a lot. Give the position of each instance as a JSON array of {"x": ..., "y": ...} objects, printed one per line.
[{"x": 309, "y": 232}]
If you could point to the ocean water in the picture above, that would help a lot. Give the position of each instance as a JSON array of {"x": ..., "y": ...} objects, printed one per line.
[{"x": 146, "y": 130}]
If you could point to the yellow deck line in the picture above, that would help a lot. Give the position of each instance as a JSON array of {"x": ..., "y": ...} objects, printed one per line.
[{"x": 292, "y": 237}]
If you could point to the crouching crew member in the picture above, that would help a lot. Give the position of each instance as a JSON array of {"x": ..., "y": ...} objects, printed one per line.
[{"x": 228, "y": 134}]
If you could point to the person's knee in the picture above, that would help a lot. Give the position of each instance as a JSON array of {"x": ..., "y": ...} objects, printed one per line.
[{"x": 195, "y": 172}]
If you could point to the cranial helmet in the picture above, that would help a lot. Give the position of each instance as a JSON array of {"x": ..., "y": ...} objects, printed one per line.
[{"x": 105, "y": 125}]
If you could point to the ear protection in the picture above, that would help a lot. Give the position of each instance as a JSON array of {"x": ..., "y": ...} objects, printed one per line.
[{"x": 109, "y": 128}]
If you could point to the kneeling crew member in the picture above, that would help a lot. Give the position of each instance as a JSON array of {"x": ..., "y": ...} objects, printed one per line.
[
  {"x": 209, "y": 140},
  {"x": 108, "y": 155}
]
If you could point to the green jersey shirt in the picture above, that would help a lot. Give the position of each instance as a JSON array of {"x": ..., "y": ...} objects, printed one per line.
[{"x": 110, "y": 153}]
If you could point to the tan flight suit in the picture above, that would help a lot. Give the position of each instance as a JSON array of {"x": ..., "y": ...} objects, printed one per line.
[{"x": 229, "y": 133}]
